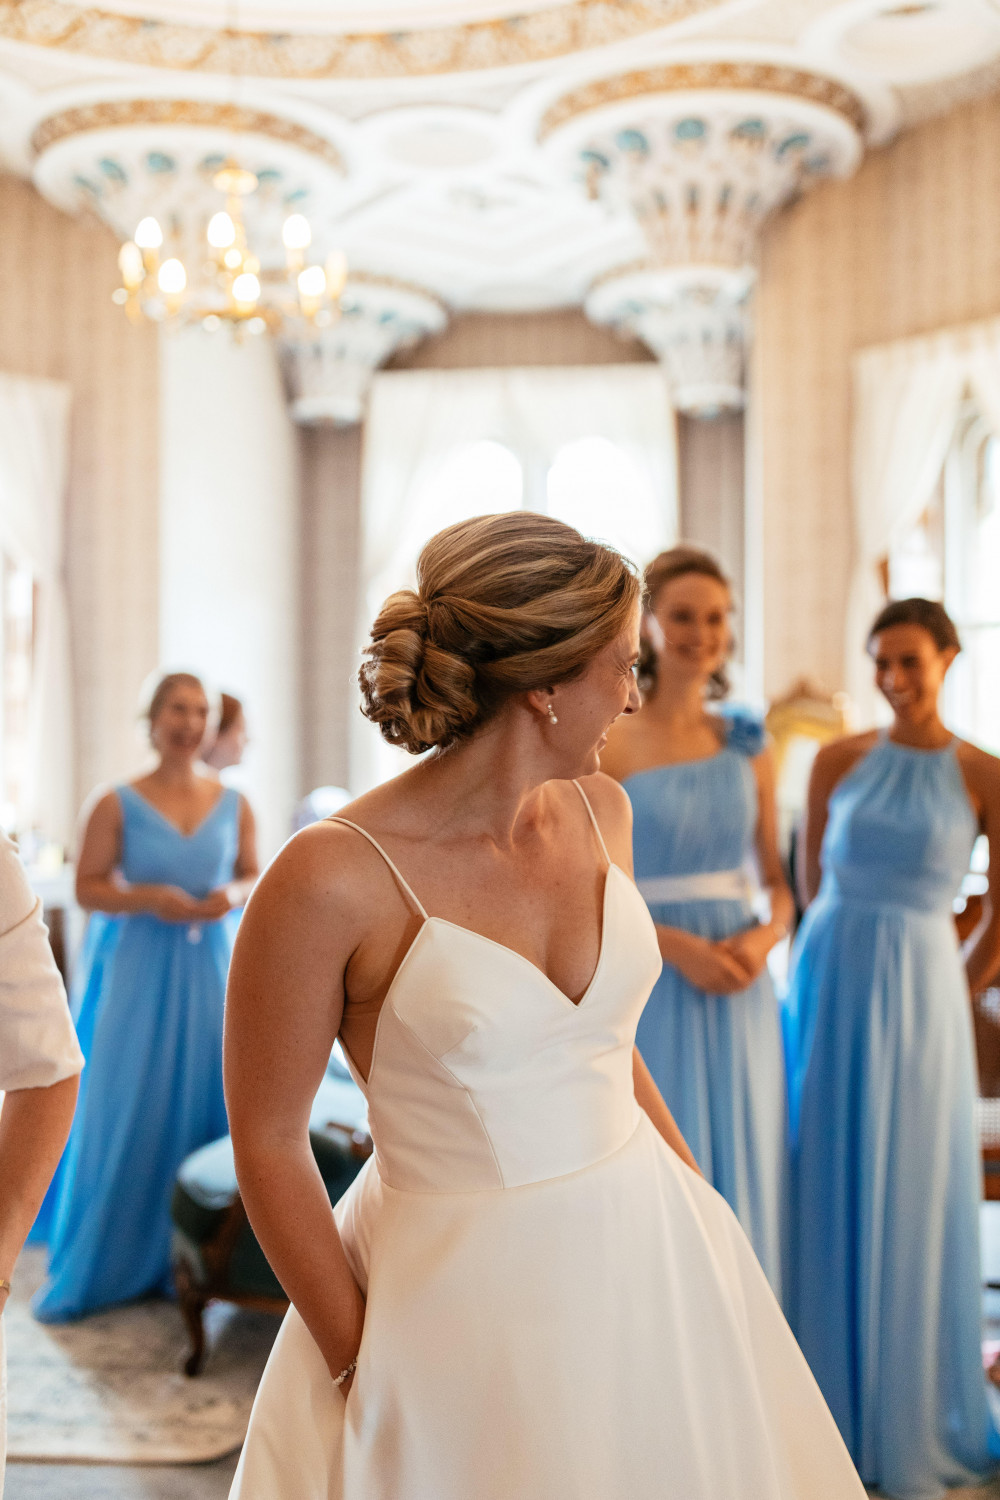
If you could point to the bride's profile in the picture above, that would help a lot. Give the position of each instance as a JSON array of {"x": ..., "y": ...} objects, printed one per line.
[{"x": 529, "y": 1292}]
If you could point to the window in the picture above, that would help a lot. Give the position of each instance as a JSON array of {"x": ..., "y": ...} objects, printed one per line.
[
  {"x": 952, "y": 553},
  {"x": 597, "y": 486},
  {"x": 473, "y": 479},
  {"x": 17, "y": 630}
]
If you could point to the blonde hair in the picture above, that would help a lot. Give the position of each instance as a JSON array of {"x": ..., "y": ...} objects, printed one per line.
[
  {"x": 678, "y": 562},
  {"x": 503, "y": 604}
]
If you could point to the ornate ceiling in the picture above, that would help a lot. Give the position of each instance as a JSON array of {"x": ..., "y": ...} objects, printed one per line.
[{"x": 486, "y": 154}]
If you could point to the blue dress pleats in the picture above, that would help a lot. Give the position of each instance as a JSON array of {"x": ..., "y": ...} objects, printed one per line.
[
  {"x": 717, "y": 1059},
  {"x": 150, "y": 1000},
  {"x": 885, "y": 1285}
]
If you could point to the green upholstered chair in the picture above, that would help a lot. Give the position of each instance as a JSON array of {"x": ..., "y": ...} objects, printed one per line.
[{"x": 215, "y": 1251}]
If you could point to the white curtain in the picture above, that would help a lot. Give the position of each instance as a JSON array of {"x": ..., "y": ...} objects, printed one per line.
[
  {"x": 34, "y": 446},
  {"x": 417, "y": 418},
  {"x": 906, "y": 402}
]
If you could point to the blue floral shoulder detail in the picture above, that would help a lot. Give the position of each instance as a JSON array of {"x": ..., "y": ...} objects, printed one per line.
[{"x": 745, "y": 730}]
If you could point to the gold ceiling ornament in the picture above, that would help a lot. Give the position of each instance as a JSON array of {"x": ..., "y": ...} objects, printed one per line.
[
  {"x": 754, "y": 77},
  {"x": 111, "y": 114},
  {"x": 511, "y": 41},
  {"x": 396, "y": 284}
]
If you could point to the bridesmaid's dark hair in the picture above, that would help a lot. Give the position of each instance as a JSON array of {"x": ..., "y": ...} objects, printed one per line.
[
  {"x": 927, "y": 613},
  {"x": 676, "y": 562}
]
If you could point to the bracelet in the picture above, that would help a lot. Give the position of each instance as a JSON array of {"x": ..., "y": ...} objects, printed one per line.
[
  {"x": 347, "y": 1372},
  {"x": 4, "y": 1284}
]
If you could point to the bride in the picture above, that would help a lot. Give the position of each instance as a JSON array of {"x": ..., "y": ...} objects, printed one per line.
[{"x": 529, "y": 1291}]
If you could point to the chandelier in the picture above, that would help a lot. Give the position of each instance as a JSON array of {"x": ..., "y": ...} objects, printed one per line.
[{"x": 223, "y": 281}]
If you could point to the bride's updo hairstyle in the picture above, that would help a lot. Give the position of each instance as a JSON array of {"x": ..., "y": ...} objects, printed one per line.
[{"x": 503, "y": 604}]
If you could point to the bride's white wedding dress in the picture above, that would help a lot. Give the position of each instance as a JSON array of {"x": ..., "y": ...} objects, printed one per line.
[{"x": 557, "y": 1308}]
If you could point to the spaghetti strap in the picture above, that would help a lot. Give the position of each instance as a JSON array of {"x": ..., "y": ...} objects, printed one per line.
[
  {"x": 597, "y": 826},
  {"x": 407, "y": 889}
]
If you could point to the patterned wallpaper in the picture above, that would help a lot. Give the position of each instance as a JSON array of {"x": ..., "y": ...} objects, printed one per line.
[
  {"x": 911, "y": 244},
  {"x": 57, "y": 320}
]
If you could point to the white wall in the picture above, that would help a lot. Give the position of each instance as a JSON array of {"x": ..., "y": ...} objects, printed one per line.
[{"x": 229, "y": 548}]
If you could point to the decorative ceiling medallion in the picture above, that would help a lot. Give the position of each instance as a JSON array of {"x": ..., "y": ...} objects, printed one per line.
[
  {"x": 398, "y": 284},
  {"x": 576, "y": 26},
  {"x": 115, "y": 113},
  {"x": 768, "y": 78},
  {"x": 328, "y": 377}
]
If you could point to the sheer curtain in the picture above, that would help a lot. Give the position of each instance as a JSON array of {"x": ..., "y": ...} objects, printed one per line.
[
  {"x": 907, "y": 397},
  {"x": 34, "y": 445},
  {"x": 418, "y": 419}
]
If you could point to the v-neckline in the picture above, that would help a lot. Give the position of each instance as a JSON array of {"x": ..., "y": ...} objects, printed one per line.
[
  {"x": 169, "y": 821},
  {"x": 364, "y": 1083},
  {"x": 506, "y": 948}
]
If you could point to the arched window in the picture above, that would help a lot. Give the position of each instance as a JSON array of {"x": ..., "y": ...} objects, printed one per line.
[
  {"x": 475, "y": 479},
  {"x": 952, "y": 553},
  {"x": 472, "y": 479},
  {"x": 598, "y": 487}
]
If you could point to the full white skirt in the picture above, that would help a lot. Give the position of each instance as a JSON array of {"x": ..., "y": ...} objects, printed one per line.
[{"x": 607, "y": 1335}]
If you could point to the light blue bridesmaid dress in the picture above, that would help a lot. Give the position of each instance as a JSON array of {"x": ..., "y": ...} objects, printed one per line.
[
  {"x": 717, "y": 1059},
  {"x": 150, "y": 1007},
  {"x": 886, "y": 1297}
]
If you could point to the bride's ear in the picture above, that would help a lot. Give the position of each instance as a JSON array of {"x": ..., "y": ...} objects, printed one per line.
[{"x": 538, "y": 700}]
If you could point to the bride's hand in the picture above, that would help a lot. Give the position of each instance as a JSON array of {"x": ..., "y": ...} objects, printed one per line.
[
  {"x": 708, "y": 966},
  {"x": 336, "y": 1365}
]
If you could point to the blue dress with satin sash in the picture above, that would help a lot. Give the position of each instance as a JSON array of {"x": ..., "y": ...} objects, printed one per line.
[
  {"x": 150, "y": 1004},
  {"x": 717, "y": 1059},
  {"x": 885, "y": 1296}
]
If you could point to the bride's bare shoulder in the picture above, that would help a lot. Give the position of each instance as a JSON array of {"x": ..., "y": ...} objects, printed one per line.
[
  {"x": 608, "y": 798},
  {"x": 323, "y": 870}
]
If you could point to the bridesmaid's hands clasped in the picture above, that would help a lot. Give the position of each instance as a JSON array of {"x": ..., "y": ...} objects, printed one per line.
[
  {"x": 709, "y": 966},
  {"x": 750, "y": 949}
]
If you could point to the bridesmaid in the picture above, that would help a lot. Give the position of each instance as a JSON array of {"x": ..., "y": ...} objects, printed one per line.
[
  {"x": 886, "y": 1301},
  {"x": 701, "y": 785},
  {"x": 164, "y": 858}
]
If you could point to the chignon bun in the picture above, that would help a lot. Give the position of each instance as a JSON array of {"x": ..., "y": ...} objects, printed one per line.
[{"x": 503, "y": 603}]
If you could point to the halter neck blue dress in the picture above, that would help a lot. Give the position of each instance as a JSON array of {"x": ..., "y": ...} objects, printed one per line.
[
  {"x": 717, "y": 1059},
  {"x": 885, "y": 1298},
  {"x": 150, "y": 1011}
]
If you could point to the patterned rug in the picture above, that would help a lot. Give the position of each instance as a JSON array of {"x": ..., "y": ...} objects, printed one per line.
[{"x": 109, "y": 1389}]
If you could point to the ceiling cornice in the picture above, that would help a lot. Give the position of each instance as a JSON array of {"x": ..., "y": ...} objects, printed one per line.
[
  {"x": 511, "y": 41},
  {"x": 111, "y": 114},
  {"x": 731, "y": 76}
]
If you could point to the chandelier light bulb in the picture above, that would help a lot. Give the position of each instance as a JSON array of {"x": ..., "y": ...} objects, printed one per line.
[
  {"x": 312, "y": 283},
  {"x": 246, "y": 289},
  {"x": 233, "y": 258},
  {"x": 148, "y": 234},
  {"x": 336, "y": 272},
  {"x": 130, "y": 264},
  {"x": 221, "y": 232},
  {"x": 171, "y": 278},
  {"x": 295, "y": 232}
]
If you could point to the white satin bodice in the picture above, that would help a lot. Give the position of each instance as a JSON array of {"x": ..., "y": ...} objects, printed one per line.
[{"x": 485, "y": 1075}]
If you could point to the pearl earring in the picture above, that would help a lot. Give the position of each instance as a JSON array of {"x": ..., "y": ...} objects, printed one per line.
[{"x": 553, "y": 719}]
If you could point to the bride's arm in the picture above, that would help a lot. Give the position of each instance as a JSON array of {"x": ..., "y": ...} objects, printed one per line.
[
  {"x": 283, "y": 1010},
  {"x": 613, "y": 811},
  {"x": 649, "y": 1098}
]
